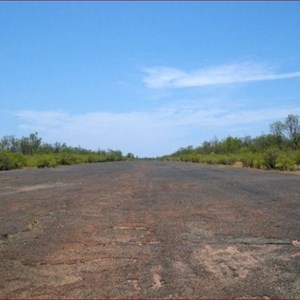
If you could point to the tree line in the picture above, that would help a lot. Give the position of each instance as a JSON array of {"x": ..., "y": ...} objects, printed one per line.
[
  {"x": 279, "y": 149},
  {"x": 32, "y": 151}
]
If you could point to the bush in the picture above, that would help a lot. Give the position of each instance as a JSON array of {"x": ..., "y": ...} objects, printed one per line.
[
  {"x": 297, "y": 157},
  {"x": 196, "y": 158},
  {"x": 211, "y": 159},
  {"x": 258, "y": 162},
  {"x": 46, "y": 161},
  {"x": 91, "y": 159},
  {"x": 4, "y": 162},
  {"x": 67, "y": 159},
  {"x": 248, "y": 160},
  {"x": 251, "y": 160},
  {"x": 269, "y": 158},
  {"x": 284, "y": 162},
  {"x": 114, "y": 155},
  {"x": 225, "y": 159},
  {"x": 10, "y": 161}
]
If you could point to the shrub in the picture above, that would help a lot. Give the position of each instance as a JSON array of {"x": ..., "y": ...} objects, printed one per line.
[
  {"x": 196, "y": 158},
  {"x": 92, "y": 159},
  {"x": 231, "y": 160},
  {"x": 248, "y": 160},
  {"x": 211, "y": 159},
  {"x": 258, "y": 162},
  {"x": 269, "y": 158},
  {"x": 225, "y": 159},
  {"x": 285, "y": 162},
  {"x": 42, "y": 163},
  {"x": 67, "y": 159},
  {"x": 9, "y": 160},
  {"x": 297, "y": 157},
  {"x": 4, "y": 162},
  {"x": 46, "y": 161}
]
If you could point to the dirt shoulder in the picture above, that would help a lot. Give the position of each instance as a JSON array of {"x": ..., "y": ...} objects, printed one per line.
[{"x": 149, "y": 230}]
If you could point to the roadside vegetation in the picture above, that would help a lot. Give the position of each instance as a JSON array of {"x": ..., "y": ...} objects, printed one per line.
[
  {"x": 31, "y": 151},
  {"x": 279, "y": 149}
]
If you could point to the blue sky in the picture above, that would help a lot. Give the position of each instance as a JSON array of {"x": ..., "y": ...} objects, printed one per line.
[{"x": 147, "y": 77}]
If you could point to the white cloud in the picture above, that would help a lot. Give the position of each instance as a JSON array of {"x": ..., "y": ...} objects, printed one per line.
[
  {"x": 148, "y": 133},
  {"x": 164, "y": 77}
]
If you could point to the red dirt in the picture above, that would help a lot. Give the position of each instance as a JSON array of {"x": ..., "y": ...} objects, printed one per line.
[{"x": 149, "y": 230}]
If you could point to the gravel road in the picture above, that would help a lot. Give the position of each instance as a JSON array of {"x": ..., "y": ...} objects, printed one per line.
[{"x": 149, "y": 229}]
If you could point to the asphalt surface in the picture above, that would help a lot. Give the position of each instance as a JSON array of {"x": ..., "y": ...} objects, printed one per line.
[{"x": 149, "y": 230}]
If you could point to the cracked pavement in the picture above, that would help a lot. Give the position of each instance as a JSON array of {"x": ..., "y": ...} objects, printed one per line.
[{"x": 149, "y": 229}]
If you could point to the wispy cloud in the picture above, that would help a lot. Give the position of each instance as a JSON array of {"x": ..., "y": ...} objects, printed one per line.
[
  {"x": 42, "y": 120},
  {"x": 164, "y": 77},
  {"x": 153, "y": 133}
]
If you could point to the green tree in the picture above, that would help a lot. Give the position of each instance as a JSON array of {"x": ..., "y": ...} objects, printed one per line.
[
  {"x": 292, "y": 125},
  {"x": 277, "y": 130},
  {"x": 30, "y": 145},
  {"x": 10, "y": 143},
  {"x": 232, "y": 145},
  {"x": 130, "y": 156}
]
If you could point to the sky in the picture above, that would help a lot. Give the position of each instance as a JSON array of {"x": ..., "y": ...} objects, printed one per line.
[{"x": 147, "y": 77}]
